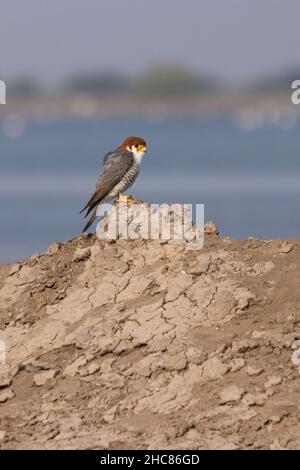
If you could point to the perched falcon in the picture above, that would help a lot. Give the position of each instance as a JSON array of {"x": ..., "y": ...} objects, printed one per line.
[{"x": 120, "y": 169}]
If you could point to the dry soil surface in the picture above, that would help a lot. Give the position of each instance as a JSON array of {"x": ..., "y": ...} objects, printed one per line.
[{"x": 142, "y": 344}]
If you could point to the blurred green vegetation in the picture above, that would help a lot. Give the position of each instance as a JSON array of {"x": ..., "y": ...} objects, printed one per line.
[
  {"x": 24, "y": 88},
  {"x": 173, "y": 80},
  {"x": 97, "y": 84},
  {"x": 159, "y": 81}
]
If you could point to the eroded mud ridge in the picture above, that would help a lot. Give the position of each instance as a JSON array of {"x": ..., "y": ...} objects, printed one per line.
[{"x": 142, "y": 344}]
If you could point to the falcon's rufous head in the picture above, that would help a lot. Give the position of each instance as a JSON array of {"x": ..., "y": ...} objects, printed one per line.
[{"x": 136, "y": 145}]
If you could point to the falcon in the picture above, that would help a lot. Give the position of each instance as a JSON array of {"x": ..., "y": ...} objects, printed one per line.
[{"x": 120, "y": 169}]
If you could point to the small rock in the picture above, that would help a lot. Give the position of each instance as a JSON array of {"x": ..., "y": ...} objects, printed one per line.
[
  {"x": 296, "y": 357},
  {"x": 237, "y": 364},
  {"x": 5, "y": 382},
  {"x": 286, "y": 247},
  {"x": 231, "y": 394},
  {"x": 2, "y": 353},
  {"x": 253, "y": 371},
  {"x": 29, "y": 367},
  {"x": 2, "y": 435},
  {"x": 53, "y": 248},
  {"x": 273, "y": 380},
  {"x": 92, "y": 368},
  {"x": 249, "y": 414},
  {"x": 82, "y": 254},
  {"x": 257, "y": 334},
  {"x": 15, "y": 370},
  {"x": 276, "y": 418},
  {"x": 252, "y": 399},
  {"x": 290, "y": 341},
  {"x": 35, "y": 257},
  {"x": 72, "y": 369},
  {"x": 295, "y": 344},
  {"x": 211, "y": 229},
  {"x": 83, "y": 372},
  {"x": 6, "y": 395},
  {"x": 244, "y": 345},
  {"x": 15, "y": 269},
  {"x": 214, "y": 369},
  {"x": 42, "y": 377}
]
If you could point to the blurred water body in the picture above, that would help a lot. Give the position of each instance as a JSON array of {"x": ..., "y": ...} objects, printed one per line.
[{"x": 247, "y": 179}]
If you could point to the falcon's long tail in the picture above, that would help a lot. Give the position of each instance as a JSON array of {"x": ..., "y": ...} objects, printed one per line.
[
  {"x": 90, "y": 221},
  {"x": 89, "y": 207},
  {"x": 92, "y": 204}
]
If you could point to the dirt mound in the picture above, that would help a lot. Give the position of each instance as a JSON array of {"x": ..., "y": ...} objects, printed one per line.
[{"x": 142, "y": 344}]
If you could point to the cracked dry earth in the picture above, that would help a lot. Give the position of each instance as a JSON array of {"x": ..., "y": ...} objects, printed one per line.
[{"x": 142, "y": 344}]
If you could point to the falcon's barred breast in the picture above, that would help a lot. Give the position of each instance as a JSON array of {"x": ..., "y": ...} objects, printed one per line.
[{"x": 120, "y": 169}]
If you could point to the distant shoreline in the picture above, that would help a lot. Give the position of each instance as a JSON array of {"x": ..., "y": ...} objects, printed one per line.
[{"x": 88, "y": 106}]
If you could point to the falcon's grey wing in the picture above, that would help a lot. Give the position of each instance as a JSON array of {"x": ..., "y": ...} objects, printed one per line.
[{"x": 115, "y": 165}]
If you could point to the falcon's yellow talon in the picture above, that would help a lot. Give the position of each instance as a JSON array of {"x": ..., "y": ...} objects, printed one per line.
[
  {"x": 124, "y": 199},
  {"x": 133, "y": 201}
]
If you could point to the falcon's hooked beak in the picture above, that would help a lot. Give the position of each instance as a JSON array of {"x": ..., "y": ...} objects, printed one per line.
[{"x": 139, "y": 149}]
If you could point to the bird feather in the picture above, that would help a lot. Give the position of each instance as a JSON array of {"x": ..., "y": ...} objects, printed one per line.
[{"x": 115, "y": 165}]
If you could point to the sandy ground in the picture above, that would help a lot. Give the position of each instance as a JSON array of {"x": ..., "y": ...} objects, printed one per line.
[{"x": 141, "y": 344}]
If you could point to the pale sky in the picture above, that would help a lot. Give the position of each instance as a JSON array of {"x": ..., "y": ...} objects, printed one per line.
[{"x": 234, "y": 39}]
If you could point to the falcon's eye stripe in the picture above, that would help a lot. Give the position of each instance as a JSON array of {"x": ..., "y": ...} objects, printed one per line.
[{"x": 137, "y": 148}]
